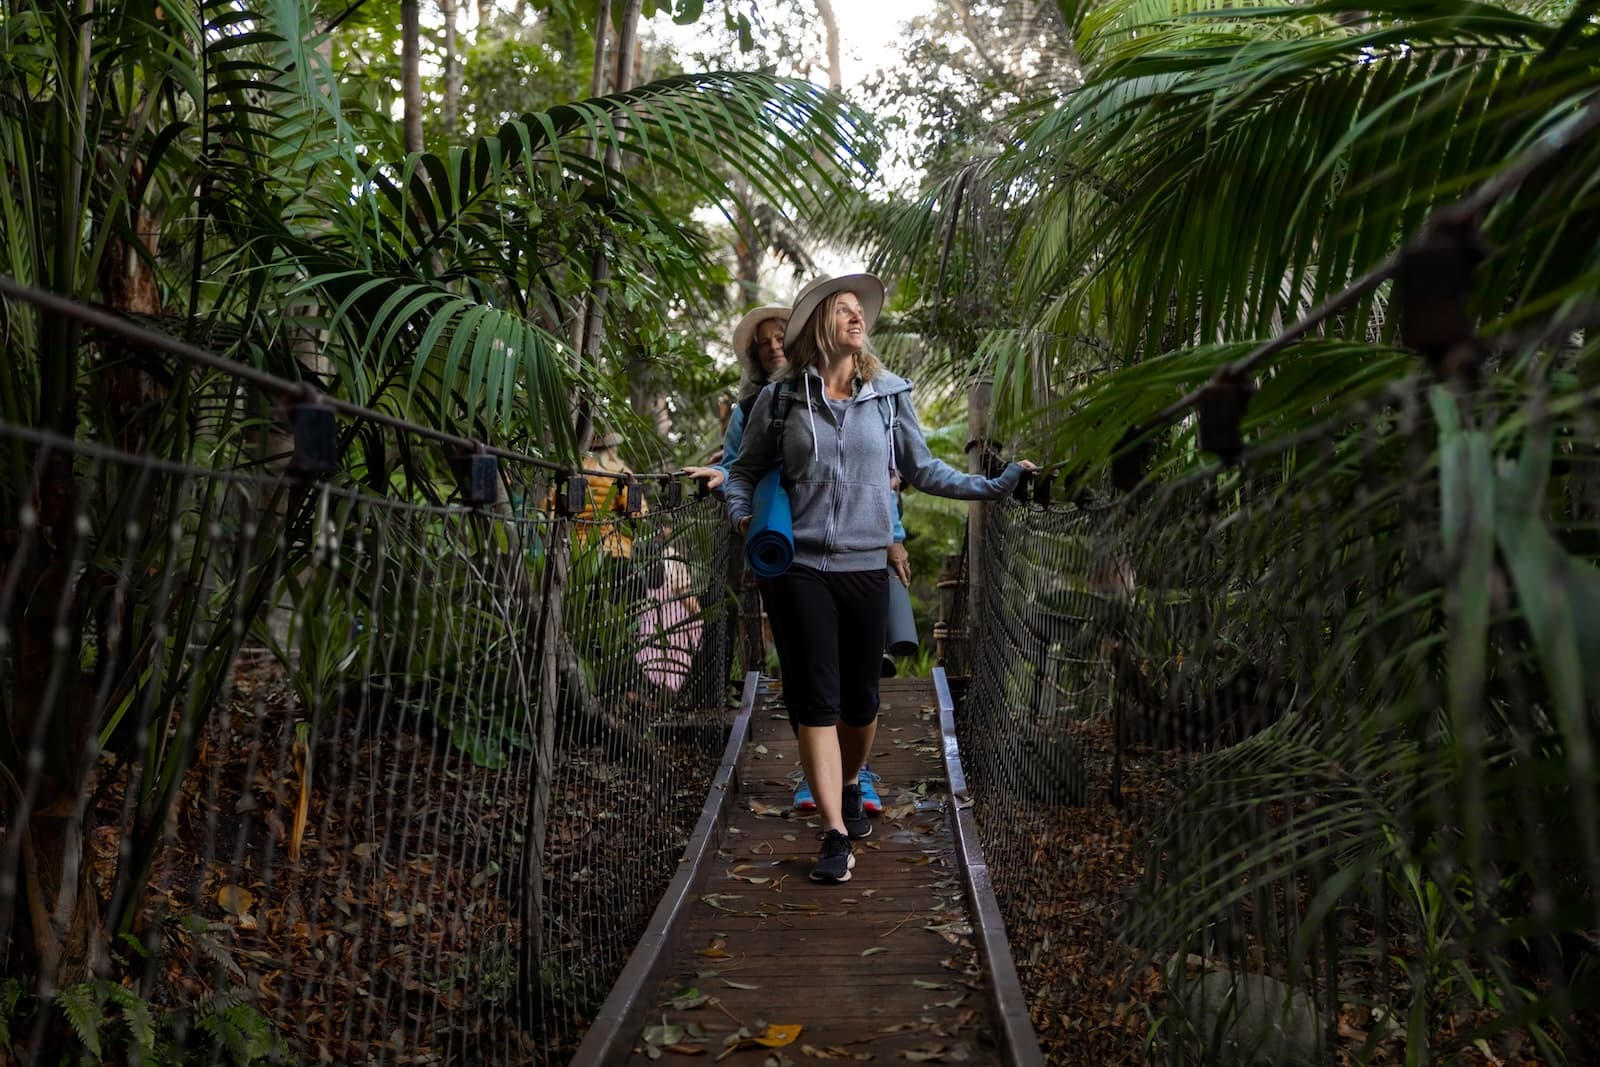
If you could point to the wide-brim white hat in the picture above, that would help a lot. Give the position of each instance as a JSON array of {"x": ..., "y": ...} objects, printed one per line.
[
  {"x": 867, "y": 287},
  {"x": 745, "y": 332}
]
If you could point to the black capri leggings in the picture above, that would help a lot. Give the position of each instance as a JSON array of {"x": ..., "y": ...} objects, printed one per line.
[{"x": 829, "y": 627}]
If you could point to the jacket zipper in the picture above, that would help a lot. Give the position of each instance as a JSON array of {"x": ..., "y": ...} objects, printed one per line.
[{"x": 833, "y": 491}]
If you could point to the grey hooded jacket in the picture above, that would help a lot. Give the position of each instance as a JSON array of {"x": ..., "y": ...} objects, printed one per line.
[{"x": 837, "y": 471}]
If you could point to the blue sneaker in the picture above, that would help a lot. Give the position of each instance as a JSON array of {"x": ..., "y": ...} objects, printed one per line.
[
  {"x": 867, "y": 781},
  {"x": 803, "y": 800}
]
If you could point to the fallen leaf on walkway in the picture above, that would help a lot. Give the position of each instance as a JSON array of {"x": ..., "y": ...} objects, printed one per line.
[
  {"x": 665, "y": 1034},
  {"x": 685, "y": 1050},
  {"x": 923, "y": 983},
  {"x": 739, "y": 985},
  {"x": 779, "y": 1035},
  {"x": 770, "y": 1037},
  {"x": 777, "y": 1059},
  {"x": 937, "y": 1054},
  {"x": 717, "y": 950},
  {"x": 833, "y": 1052},
  {"x": 687, "y": 998},
  {"x": 874, "y": 950}
]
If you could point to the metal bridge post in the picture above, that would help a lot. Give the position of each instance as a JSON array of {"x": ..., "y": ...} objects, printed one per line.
[{"x": 980, "y": 404}]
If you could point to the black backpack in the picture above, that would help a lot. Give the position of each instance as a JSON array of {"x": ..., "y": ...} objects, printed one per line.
[{"x": 782, "y": 401}]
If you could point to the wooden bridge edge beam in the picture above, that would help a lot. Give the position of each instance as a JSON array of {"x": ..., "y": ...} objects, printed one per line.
[
  {"x": 612, "y": 1035},
  {"x": 1019, "y": 1045}
]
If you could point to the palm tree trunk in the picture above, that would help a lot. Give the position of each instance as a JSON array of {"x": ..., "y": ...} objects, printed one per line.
[
  {"x": 602, "y": 44},
  {"x": 452, "y": 68},
  {"x": 411, "y": 72},
  {"x": 830, "y": 29},
  {"x": 628, "y": 46}
]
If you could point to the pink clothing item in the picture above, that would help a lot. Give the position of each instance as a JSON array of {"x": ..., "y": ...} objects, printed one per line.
[{"x": 670, "y": 630}]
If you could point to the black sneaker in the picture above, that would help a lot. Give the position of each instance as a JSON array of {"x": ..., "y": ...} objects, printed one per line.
[
  {"x": 856, "y": 823},
  {"x": 835, "y": 859}
]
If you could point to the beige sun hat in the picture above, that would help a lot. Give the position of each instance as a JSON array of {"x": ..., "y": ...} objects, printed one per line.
[
  {"x": 867, "y": 287},
  {"x": 745, "y": 332}
]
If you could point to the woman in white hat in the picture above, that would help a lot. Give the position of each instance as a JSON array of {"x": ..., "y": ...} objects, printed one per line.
[
  {"x": 843, "y": 427},
  {"x": 758, "y": 340},
  {"x": 758, "y": 344}
]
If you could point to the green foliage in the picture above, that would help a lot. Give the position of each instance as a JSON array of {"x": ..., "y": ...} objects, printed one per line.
[
  {"x": 12, "y": 992},
  {"x": 106, "y": 1015},
  {"x": 1407, "y": 566},
  {"x": 110, "y": 1019},
  {"x": 232, "y": 173},
  {"x": 245, "y": 1035}
]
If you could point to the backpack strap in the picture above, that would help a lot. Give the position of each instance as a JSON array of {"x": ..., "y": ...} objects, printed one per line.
[
  {"x": 747, "y": 405},
  {"x": 782, "y": 401}
]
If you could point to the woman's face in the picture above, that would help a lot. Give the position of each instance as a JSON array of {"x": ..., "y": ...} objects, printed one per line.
[
  {"x": 849, "y": 323},
  {"x": 769, "y": 346}
]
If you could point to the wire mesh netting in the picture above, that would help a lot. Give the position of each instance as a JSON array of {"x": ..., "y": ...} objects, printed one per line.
[
  {"x": 1291, "y": 762},
  {"x": 314, "y": 771}
]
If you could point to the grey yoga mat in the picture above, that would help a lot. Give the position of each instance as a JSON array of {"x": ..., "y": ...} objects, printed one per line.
[{"x": 902, "y": 623}]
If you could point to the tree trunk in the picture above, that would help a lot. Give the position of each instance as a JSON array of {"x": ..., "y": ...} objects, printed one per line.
[
  {"x": 830, "y": 30},
  {"x": 748, "y": 246},
  {"x": 594, "y": 329},
  {"x": 628, "y": 47},
  {"x": 411, "y": 72},
  {"x": 602, "y": 45},
  {"x": 452, "y": 69}
]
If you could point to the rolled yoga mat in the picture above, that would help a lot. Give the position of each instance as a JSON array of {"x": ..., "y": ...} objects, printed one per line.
[
  {"x": 902, "y": 623},
  {"x": 769, "y": 548}
]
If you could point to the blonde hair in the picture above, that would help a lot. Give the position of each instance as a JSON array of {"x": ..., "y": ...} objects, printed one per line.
[{"x": 816, "y": 343}]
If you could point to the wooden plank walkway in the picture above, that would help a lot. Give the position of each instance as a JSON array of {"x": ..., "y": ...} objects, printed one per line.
[
  {"x": 775, "y": 948},
  {"x": 893, "y": 966}
]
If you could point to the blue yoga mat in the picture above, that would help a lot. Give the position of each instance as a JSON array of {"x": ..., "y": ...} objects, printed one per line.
[{"x": 769, "y": 548}]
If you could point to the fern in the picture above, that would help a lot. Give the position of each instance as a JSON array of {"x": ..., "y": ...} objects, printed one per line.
[
  {"x": 105, "y": 1014},
  {"x": 82, "y": 1009},
  {"x": 11, "y": 991},
  {"x": 136, "y": 1013},
  {"x": 246, "y": 1034}
]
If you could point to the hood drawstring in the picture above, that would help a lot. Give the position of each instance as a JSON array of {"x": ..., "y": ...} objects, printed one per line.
[
  {"x": 813, "y": 413},
  {"x": 894, "y": 415}
]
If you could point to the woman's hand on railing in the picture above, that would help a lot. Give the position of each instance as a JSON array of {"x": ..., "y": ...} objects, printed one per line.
[{"x": 712, "y": 476}]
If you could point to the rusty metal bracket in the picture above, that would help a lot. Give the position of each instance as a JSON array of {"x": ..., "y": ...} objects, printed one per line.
[
  {"x": 1432, "y": 290},
  {"x": 1221, "y": 407}
]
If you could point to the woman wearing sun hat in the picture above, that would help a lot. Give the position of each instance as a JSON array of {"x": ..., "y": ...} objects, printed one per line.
[
  {"x": 758, "y": 341},
  {"x": 758, "y": 345},
  {"x": 842, "y": 426}
]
